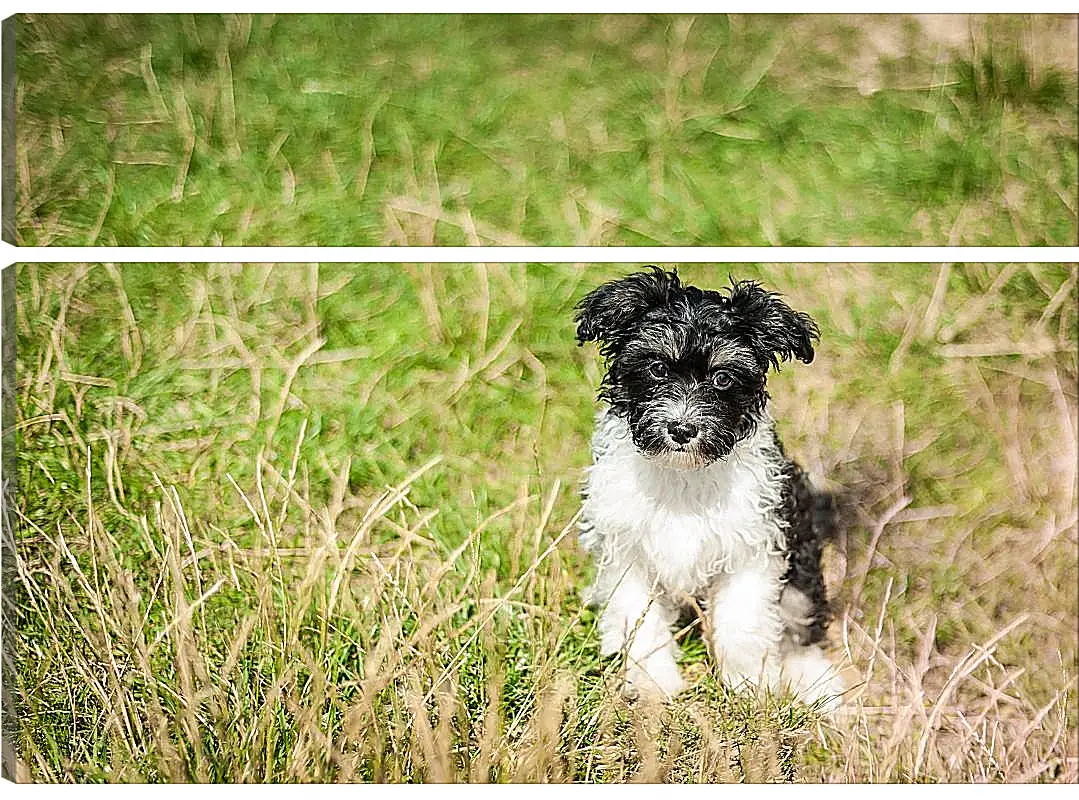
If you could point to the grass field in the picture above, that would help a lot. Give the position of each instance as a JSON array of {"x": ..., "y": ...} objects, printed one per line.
[
  {"x": 504, "y": 129},
  {"x": 316, "y": 523}
]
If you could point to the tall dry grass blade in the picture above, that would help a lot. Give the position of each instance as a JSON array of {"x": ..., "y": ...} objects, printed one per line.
[
  {"x": 291, "y": 372},
  {"x": 187, "y": 657},
  {"x": 377, "y": 509},
  {"x": 936, "y": 302},
  {"x": 965, "y": 667},
  {"x": 433, "y": 762},
  {"x": 502, "y": 601},
  {"x": 228, "y": 102}
]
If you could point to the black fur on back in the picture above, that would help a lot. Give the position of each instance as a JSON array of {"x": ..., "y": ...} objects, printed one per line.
[{"x": 811, "y": 520}]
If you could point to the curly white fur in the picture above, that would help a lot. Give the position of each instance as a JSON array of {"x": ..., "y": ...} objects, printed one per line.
[{"x": 663, "y": 534}]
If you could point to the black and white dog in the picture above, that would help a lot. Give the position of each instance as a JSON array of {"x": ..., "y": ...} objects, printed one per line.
[{"x": 690, "y": 498}]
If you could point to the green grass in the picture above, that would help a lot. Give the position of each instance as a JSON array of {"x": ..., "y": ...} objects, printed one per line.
[
  {"x": 315, "y": 523},
  {"x": 502, "y": 129}
]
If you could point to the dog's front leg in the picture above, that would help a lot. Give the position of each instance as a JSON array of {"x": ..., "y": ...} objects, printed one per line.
[
  {"x": 639, "y": 621},
  {"x": 743, "y": 609}
]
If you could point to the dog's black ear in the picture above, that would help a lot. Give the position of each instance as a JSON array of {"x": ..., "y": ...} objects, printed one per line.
[
  {"x": 608, "y": 313},
  {"x": 770, "y": 325}
]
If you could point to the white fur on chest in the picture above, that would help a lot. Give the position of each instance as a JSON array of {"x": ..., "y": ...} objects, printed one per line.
[{"x": 684, "y": 527}]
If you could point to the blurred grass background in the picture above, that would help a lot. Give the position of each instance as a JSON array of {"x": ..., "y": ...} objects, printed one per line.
[
  {"x": 507, "y": 129},
  {"x": 315, "y": 523}
]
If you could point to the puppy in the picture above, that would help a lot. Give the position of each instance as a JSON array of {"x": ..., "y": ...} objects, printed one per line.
[{"x": 690, "y": 500}]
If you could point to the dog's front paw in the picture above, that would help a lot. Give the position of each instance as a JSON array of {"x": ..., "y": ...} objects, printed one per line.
[{"x": 656, "y": 678}]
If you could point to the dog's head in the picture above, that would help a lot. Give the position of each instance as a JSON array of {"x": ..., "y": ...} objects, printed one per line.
[{"x": 686, "y": 367}]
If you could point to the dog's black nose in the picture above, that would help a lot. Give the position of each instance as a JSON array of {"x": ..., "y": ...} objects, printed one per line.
[{"x": 682, "y": 432}]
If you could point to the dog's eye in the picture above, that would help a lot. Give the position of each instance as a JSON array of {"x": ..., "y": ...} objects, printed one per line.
[
  {"x": 722, "y": 380},
  {"x": 658, "y": 369}
]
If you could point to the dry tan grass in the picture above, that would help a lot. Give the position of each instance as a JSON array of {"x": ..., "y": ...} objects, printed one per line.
[
  {"x": 956, "y": 708},
  {"x": 209, "y": 600}
]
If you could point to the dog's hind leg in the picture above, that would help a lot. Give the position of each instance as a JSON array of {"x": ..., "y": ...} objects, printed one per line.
[
  {"x": 810, "y": 520},
  {"x": 803, "y": 604}
]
